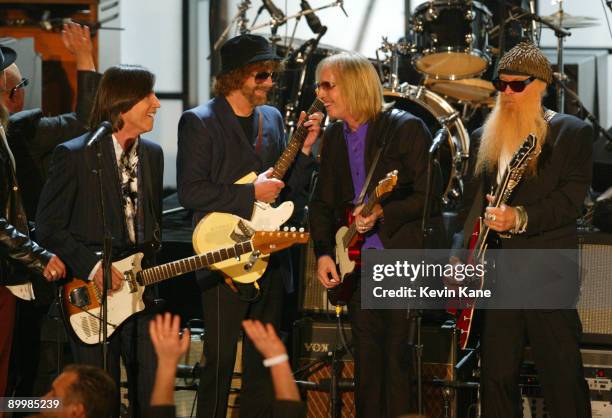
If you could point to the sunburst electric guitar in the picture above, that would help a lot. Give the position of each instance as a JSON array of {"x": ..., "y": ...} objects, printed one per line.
[
  {"x": 81, "y": 299},
  {"x": 219, "y": 229},
  {"x": 479, "y": 242},
  {"x": 349, "y": 242}
]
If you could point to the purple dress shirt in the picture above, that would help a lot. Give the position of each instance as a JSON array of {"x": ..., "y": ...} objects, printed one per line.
[{"x": 355, "y": 143}]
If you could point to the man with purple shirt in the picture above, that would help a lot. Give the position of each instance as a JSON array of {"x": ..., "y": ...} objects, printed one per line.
[{"x": 350, "y": 88}]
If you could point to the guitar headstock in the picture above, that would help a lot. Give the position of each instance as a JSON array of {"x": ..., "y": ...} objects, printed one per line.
[
  {"x": 272, "y": 241},
  {"x": 524, "y": 153},
  {"x": 387, "y": 184}
]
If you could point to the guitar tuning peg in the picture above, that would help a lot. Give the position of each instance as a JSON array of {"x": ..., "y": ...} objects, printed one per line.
[
  {"x": 301, "y": 230},
  {"x": 293, "y": 229},
  {"x": 286, "y": 228}
]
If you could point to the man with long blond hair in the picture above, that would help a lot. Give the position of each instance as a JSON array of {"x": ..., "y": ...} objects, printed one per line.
[
  {"x": 220, "y": 142},
  {"x": 350, "y": 88},
  {"x": 540, "y": 216}
]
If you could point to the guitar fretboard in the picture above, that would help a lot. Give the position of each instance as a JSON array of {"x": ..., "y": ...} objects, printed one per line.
[
  {"x": 295, "y": 144},
  {"x": 166, "y": 271}
]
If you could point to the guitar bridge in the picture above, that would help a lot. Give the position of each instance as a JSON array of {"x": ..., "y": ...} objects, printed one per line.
[{"x": 130, "y": 279}]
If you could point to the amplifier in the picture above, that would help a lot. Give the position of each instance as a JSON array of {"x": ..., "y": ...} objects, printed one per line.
[
  {"x": 313, "y": 295},
  {"x": 597, "y": 372},
  {"x": 314, "y": 340},
  {"x": 595, "y": 303}
]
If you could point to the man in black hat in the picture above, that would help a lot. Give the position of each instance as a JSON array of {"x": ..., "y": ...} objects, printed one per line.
[
  {"x": 538, "y": 221},
  {"x": 19, "y": 256},
  {"x": 219, "y": 142}
]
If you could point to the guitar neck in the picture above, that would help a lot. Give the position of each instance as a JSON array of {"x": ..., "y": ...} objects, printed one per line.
[
  {"x": 186, "y": 265},
  {"x": 295, "y": 144},
  {"x": 500, "y": 193}
]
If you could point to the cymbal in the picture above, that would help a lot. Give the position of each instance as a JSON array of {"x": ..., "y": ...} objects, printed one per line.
[{"x": 571, "y": 22}]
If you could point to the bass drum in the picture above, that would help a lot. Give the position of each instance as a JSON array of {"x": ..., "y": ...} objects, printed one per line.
[{"x": 434, "y": 110}]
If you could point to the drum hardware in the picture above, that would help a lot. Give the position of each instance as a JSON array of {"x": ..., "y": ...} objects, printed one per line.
[
  {"x": 560, "y": 80},
  {"x": 239, "y": 19},
  {"x": 568, "y": 21},
  {"x": 392, "y": 51},
  {"x": 278, "y": 19}
]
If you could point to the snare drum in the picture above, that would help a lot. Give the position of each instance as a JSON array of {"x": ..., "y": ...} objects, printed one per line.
[
  {"x": 432, "y": 109},
  {"x": 451, "y": 39}
]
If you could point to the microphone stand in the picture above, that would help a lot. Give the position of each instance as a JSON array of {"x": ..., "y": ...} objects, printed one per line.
[
  {"x": 107, "y": 250},
  {"x": 588, "y": 114}
]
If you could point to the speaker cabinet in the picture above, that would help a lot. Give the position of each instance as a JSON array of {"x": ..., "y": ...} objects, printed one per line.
[
  {"x": 313, "y": 340},
  {"x": 595, "y": 303},
  {"x": 313, "y": 295}
]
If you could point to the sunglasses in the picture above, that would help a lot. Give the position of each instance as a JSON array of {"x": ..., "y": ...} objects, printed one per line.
[
  {"x": 325, "y": 85},
  {"x": 262, "y": 76},
  {"x": 517, "y": 86}
]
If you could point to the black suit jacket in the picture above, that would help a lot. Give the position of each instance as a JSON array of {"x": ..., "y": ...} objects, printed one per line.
[
  {"x": 33, "y": 136},
  {"x": 214, "y": 152},
  {"x": 69, "y": 220},
  {"x": 540, "y": 277},
  {"x": 553, "y": 199},
  {"x": 406, "y": 151}
]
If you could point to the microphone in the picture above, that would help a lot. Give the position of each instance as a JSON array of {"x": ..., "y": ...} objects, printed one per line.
[
  {"x": 313, "y": 20},
  {"x": 441, "y": 136},
  {"x": 561, "y": 76},
  {"x": 103, "y": 129},
  {"x": 274, "y": 11}
]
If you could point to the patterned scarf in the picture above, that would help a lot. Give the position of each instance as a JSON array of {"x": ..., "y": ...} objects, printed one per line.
[{"x": 128, "y": 173}]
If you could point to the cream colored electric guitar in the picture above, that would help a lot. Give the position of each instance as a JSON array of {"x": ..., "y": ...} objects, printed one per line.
[
  {"x": 219, "y": 229},
  {"x": 81, "y": 298}
]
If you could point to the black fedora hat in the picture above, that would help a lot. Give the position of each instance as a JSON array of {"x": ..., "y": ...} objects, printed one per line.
[
  {"x": 246, "y": 49},
  {"x": 7, "y": 57}
]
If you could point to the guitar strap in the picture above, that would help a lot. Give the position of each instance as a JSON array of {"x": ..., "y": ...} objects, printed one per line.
[
  {"x": 259, "y": 134},
  {"x": 393, "y": 116}
]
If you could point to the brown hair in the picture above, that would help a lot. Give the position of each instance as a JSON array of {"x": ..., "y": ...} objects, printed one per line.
[
  {"x": 93, "y": 388},
  {"x": 121, "y": 87},
  {"x": 226, "y": 83}
]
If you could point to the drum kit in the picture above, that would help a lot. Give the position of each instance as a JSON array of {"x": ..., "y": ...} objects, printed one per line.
[{"x": 451, "y": 48}]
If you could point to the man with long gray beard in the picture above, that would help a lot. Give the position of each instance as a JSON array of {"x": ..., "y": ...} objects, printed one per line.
[{"x": 541, "y": 215}]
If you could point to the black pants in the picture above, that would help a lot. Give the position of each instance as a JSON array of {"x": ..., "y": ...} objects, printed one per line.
[
  {"x": 224, "y": 312},
  {"x": 133, "y": 344},
  {"x": 554, "y": 337},
  {"x": 382, "y": 360}
]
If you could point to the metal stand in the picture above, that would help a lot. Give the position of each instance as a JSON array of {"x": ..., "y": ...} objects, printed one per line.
[
  {"x": 336, "y": 384},
  {"x": 560, "y": 80},
  {"x": 107, "y": 250}
]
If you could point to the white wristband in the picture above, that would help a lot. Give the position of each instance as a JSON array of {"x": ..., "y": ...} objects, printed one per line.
[{"x": 273, "y": 361}]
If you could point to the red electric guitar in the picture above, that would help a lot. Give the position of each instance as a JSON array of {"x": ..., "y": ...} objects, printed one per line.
[
  {"x": 479, "y": 240},
  {"x": 349, "y": 242}
]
